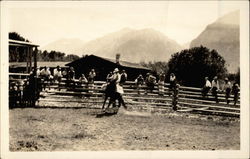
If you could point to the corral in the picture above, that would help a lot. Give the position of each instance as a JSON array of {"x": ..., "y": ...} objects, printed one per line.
[{"x": 69, "y": 119}]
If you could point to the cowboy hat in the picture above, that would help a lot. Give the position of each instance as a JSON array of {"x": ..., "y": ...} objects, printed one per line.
[{"x": 116, "y": 70}]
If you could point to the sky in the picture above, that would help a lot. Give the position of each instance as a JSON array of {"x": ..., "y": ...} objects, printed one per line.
[{"x": 45, "y": 22}]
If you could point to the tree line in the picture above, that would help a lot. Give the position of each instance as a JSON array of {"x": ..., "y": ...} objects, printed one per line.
[
  {"x": 44, "y": 55},
  {"x": 189, "y": 65},
  {"x": 192, "y": 65}
]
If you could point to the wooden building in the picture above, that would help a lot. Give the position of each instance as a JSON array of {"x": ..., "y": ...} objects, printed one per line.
[
  {"x": 103, "y": 66},
  {"x": 22, "y": 51},
  {"x": 20, "y": 67}
]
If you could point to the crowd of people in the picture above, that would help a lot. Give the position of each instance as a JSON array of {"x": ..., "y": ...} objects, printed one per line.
[
  {"x": 226, "y": 88},
  {"x": 115, "y": 81}
]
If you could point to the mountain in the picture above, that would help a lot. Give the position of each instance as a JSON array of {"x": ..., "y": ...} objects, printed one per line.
[
  {"x": 224, "y": 36},
  {"x": 68, "y": 46},
  {"x": 133, "y": 45},
  {"x": 186, "y": 45}
]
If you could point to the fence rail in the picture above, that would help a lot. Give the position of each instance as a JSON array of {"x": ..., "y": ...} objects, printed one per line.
[{"x": 190, "y": 99}]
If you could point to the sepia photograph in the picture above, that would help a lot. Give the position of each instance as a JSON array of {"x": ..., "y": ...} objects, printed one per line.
[{"x": 146, "y": 78}]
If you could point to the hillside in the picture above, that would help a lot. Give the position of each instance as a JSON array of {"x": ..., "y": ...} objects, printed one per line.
[
  {"x": 223, "y": 35},
  {"x": 133, "y": 45},
  {"x": 68, "y": 46}
]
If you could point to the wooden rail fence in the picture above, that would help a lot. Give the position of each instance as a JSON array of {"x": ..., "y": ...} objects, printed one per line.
[{"x": 189, "y": 98}]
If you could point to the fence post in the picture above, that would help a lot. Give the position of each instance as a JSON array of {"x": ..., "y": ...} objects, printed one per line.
[{"x": 175, "y": 96}]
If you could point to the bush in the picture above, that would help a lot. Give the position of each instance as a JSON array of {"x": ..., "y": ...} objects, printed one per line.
[{"x": 191, "y": 66}]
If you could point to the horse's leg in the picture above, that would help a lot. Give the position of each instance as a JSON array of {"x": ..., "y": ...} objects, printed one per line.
[
  {"x": 121, "y": 101},
  {"x": 105, "y": 99},
  {"x": 111, "y": 100}
]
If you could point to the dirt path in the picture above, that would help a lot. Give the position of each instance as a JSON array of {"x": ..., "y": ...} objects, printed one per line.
[{"x": 46, "y": 129}]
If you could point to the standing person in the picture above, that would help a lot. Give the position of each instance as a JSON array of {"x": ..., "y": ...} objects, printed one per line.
[
  {"x": 71, "y": 77},
  {"x": 150, "y": 82},
  {"x": 139, "y": 82},
  {"x": 65, "y": 73},
  {"x": 109, "y": 77},
  {"x": 83, "y": 79},
  {"x": 172, "y": 82},
  {"x": 57, "y": 74},
  {"x": 124, "y": 77},
  {"x": 38, "y": 72},
  {"x": 32, "y": 90},
  {"x": 215, "y": 88},
  {"x": 235, "y": 90},
  {"x": 161, "y": 83},
  {"x": 21, "y": 94},
  {"x": 45, "y": 74},
  {"x": 50, "y": 77},
  {"x": 119, "y": 90},
  {"x": 13, "y": 95},
  {"x": 92, "y": 76},
  {"x": 206, "y": 87},
  {"x": 91, "y": 79},
  {"x": 227, "y": 88}
]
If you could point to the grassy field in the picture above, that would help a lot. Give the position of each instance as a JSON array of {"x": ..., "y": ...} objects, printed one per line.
[{"x": 67, "y": 129}]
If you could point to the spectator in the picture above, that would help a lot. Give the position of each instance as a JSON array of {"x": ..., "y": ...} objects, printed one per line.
[
  {"x": 124, "y": 77},
  {"x": 235, "y": 90},
  {"x": 109, "y": 76},
  {"x": 21, "y": 94},
  {"x": 206, "y": 87},
  {"x": 91, "y": 78},
  {"x": 83, "y": 79},
  {"x": 57, "y": 74},
  {"x": 139, "y": 82},
  {"x": 38, "y": 72},
  {"x": 227, "y": 89},
  {"x": 50, "y": 77},
  {"x": 150, "y": 82},
  {"x": 71, "y": 77},
  {"x": 31, "y": 90},
  {"x": 215, "y": 88},
  {"x": 64, "y": 73},
  {"x": 13, "y": 94},
  {"x": 172, "y": 80},
  {"x": 161, "y": 83},
  {"x": 45, "y": 75}
]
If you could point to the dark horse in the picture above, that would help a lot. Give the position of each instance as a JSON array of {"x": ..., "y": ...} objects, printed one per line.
[{"x": 110, "y": 92}]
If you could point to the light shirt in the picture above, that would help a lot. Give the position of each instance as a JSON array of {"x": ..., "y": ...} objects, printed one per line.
[
  {"x": 172, "y": 78},
  {"x": 38, "y": 72},
  {"x": 208, "y": 83},
  {"x": 227, "y": 85},
  {"x": 57, "y": 73},
  {"x": 215, "y": 84},
  {"x": 116, "y": 77}
]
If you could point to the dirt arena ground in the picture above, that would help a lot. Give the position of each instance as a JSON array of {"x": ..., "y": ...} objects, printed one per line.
[{"x": 61, "y": 129}]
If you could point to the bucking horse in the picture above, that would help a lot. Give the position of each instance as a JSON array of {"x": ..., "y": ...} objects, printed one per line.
[{"x": 110, "y": 92}]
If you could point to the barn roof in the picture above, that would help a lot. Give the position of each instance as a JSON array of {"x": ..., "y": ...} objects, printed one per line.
[
  {"x": 21, "y": 43},
  {"x": 122, "y": 63},
  {"x": 39, "y": 64}
]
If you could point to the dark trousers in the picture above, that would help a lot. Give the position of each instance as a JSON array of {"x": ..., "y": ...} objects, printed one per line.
[
  {"x": 215, "y": 93},
  {"x": 228, "y": 91},
  {"x": 236, "y": 97},
  {"x": 205, "y": 91}
]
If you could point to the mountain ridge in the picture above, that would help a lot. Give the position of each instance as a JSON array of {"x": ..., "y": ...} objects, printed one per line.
[{"x": 223, "y": 35}]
